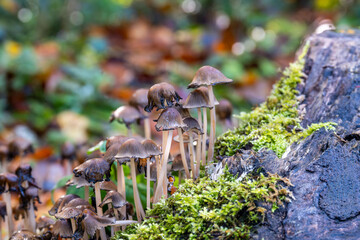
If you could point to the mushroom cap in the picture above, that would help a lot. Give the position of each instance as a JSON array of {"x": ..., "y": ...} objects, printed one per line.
[
  {"x": 151, "y": 148},
  {"x": 184, "y": 112},
  {"x": 115, "y": 198},
  {"x": 93, "y": 170},
  {"x": 119, "y": 139},
  {"x": 11, "y": 180},
  {"x": 177, "y": 164},
  {"x": 199, "y": 98},
  {"x": 44, "y": 222},
  {"x": 131, "y": 148},
  {"x": 159, "y": 94},
  {"x": 92, "y": 222},
  {"x": 68, "y": 151},
  {"x": 169, "y": 119},
  {"x": 208, "y": 76},
  {"x": 192, "y": 124},
  {"x": 186, "y": 138},
  {"x": 23, "y": 234},
  {"x": 68, "y": 212},
  {"x": 24, "y": 173},
  {"x": 3, "y": 210},
  {"x": 126, "y": 115},
  {"x": 63, "y": 228},
  {"x": 19, "y": 146},
  {"x": 61, "y": 202},
  {"x": 108, "y": 186},
  {"x": 112, "y": 147},
  {"x": 224, "y": 110},
  {"x": 78, "y": 182},
  {"x": 139, "y": 98}
]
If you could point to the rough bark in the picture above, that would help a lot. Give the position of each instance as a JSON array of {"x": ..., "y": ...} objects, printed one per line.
[{"x": 325, "y": 167}]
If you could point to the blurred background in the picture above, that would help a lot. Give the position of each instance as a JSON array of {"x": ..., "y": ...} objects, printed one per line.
[{"x": 65, "y": 65}]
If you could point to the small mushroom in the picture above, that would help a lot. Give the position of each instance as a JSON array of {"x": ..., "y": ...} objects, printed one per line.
[
  {"x": 108, "y": 186},
  {"x": 168, "y": 120},
  {"x": 139, "y": 100},
  {"x": 161, "y": 95},
  {"x": 134, "y": 149},
  {"x": 45, "y": 222},
  {"x": 209, "y": 76},
  {"x": 178, "y": 166},
  {"x": 61, "y": 202},
  {"x": 115, "y": 198},
  {"x": 224, "y": 112},
  {"x": 93, "y": 170},
  {"x": 127, "y": 115},
  {"x": 63, "y": 229},
  {"x": 92, "y": 222},
  {"x": 23, "y": 234},
  {"x": 153, "y": 150}
]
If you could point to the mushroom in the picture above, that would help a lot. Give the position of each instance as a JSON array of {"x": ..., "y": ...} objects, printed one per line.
[
  {"x": 94, "y": 171},
  {"x": 61, "y": 202},
  {"x": 63, "y": 228},
  {"x": 114, "y": 198},
  {"x": 68, "y": 155},
  {"x": 19, "y": 147},
  {"x": 133, "y": 149},
  {"x": 139, "y": 100},
  {"x": 161, "y": 95},
  {"x": 127, "y": 115},
  {"x": 152, "y": 150},
  {"x": 224, "y": 112},
  {"x": 178, "y": 166},
  {"x": 209, "y": 76},
  {"x": 45, "y": 222},
  {"x": 168, "y": 120},
  {"x": 92, "y": 222},
  {"x": 8, "y": 183},
  {"x": 23, "y": 234}
]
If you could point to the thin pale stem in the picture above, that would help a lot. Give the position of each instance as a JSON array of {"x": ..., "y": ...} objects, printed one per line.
[
  {"x": 164, "y": 142},
  {"x": 179, "y": 175},
  {"x": 86, "y": 193},
  {"x": 198, "y": 145},
  {"x": 182, "y": 151},
  {"x": 192, "y": 155},
  {"x": 148, "y": 183},
  {"x": 129, "y": 132},
  {"x": 121, "y": 185},
  {"x": 7, "y": 198},
  {"x": 139, "y": 209},
  {"x": 73, "y": 225},
  {"x": 203, "y": 147},
  {"x": 163, "y": 174},
  {"x": 99, "y": 210},
  {"x": 212, "y": 126},
  {"x": 147, "y": 128}
]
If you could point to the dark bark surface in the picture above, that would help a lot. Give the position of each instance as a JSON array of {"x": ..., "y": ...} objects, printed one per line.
[{"x": 325, "y": 167}]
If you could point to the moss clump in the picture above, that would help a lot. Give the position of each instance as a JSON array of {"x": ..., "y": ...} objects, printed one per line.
[
  {"x": 208, "y": 209},
  {"x": 275, "y": 124}
]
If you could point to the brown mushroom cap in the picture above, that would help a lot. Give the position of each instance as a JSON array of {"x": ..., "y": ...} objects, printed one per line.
[
  {"x": 208, "y": 76},
  {"x": 92, "y": 222},
  {"x": 63, "y": 228},
  {"x": 93, "y": 170},
  {"x": 177, "y": 164},
  {"x": 131, "y": 148},
  {"x": 224, "y": 110},
  {"x": 115, "y": 198},
  {"x": 112, "y": 147},
  {"x": 23, "y": 234},
  {"x": 60, "y": 203},
  {"x": 199, "y": 98},
  {"x": 19, "y": 146},
  {"x": 78, "y": 182},
  {"x": 127, "y": 115},
  {"x": 11, "y": 180},
  {"x": 139, "y": 98},
  {"x": 186, "y": 138},
  {"x": 169, "y": 119},
  {"x": 159, "y": 94},
  {"x": 193, "y": 125},
  {"x": 151, "y": 148},
  {"x": 44, "y": 222},
  {"x": 3, "y": 210},
  {"x": 108, "y": 186},
  {"x": 184, "y": 112}
]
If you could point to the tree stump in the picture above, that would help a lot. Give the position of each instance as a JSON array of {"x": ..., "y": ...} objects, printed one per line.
[{"x": 325, "y": 167}]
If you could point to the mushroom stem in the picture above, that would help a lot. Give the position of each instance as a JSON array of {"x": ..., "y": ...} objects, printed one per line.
[
  {"x": 7, "y": 198},
  {"x": 147, "y": 129},
  {"x": 148, "y": 183},
  {"x": 121, "y": 184},
  {"x": 129, "y": 132},
  {"x": 4, "y": 165},
  {"x": 73, "y": 225},
  {"x": 182, "y": 151},
  {"x": 198, "y": 145},
  {"x": 139, "y": 209},
  {"x": 31, "y": 216},
  {"x": 68, "y": 167},
  {"x": 192, "y": 155},
  {"x": 0, "y": 229},
  {"x": 203, "y": 147},
  {"x": 212, "y": 125},
  {"x": 164, "y": 142},
  {"x": 99, "y": 209},
  {"x": 163, "y": 174},
  {"x": 86, "y": 193}
]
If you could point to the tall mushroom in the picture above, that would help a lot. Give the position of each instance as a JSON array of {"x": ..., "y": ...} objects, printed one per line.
[
  {"x": 133, "y": 149},
  {"x": 169, "y": 120},
  {"x": 209, "y": 76},
  {"x": 8, "y": 184},
  {"x": 199, "y": 99},
  {"x": 139, "y": 100},
  {"x": 127, "y": 115},
  {"x": 152, "y": 150}
]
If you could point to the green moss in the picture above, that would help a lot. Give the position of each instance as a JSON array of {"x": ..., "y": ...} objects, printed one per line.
[
  {"x": 275, "y": 124},
  {"x": 208, "y": 209}
]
